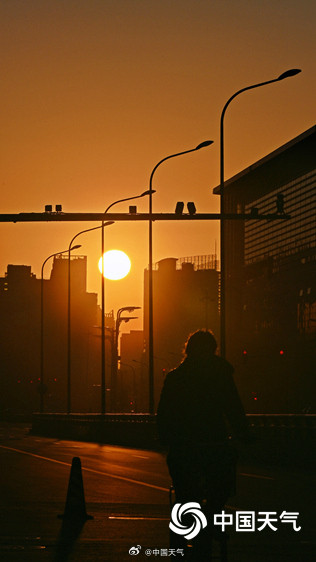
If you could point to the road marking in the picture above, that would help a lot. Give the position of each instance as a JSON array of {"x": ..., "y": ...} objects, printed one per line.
[
  {"x": 21, "y": 547},
  {"x": 124, "y": 478},
  {"x": 256, "y": 476}
]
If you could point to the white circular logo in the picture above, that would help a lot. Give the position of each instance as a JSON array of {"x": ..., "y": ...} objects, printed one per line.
[
  {"x": 192, "y": 508},
  {"x": 134, "y": 550}
]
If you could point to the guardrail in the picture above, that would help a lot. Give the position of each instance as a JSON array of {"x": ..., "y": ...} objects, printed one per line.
[
  {"x": 282, "y": 420},
  {"x": 283, "y": 439},
  {"x": 132, "y": 430},
  {"x": 278, "y": 438}
]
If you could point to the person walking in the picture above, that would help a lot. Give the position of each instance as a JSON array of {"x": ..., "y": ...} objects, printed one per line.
[{"x": 199, "y": 408}]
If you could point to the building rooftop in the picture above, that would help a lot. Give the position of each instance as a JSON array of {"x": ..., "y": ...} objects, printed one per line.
[
  {"x": 298, "y": 154},
  {"x": 208, "y": 261}
]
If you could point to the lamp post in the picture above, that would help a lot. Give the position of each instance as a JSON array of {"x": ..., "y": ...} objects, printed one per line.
[
  {"x": 282, "y": 76},
  {"x": 115, "y": 355},
  {"x": 70, "y": 247},
  {"x": 150, "y": 275},
  {"x": 134, "y": 402},
  {"x": 42, "y": 325},
  {"x": 103, "y": 296}
]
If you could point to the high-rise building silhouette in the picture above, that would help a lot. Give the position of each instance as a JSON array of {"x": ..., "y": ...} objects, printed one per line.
[
  {"x": 185, "y": 299},
  {"x": 271, "y": 279},
  {"x": 20, "y": 313}
]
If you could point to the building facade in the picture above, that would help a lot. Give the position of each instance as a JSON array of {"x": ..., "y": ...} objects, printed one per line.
[
  {"x": 20, "y": 337},
  {"x": 132, "y": 373},
  {"x": 185, "y": 299},
  {"x": 271, "y": 279}
]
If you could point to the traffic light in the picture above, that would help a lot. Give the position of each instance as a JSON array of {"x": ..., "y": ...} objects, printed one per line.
[
  {"x": 179, "y": 208},
  {"x": 245, "y": 355},
  {"x": 191, "y": 208}
]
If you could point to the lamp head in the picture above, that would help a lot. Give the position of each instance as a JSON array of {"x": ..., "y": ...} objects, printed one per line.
[
  {"x": 128, "y": 318},
  {"x": 148, "y": 192},
  {"x": 204, "y": 144},
  {"x": 288, "y": 73},
  {"x": 76, "y": 247}
]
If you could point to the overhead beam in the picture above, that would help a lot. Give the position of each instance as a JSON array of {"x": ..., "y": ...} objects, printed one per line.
[{"x": 98, "y": 217}]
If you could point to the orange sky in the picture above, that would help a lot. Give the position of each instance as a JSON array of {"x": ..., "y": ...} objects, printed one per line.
[{"x": 94, "y": 93}]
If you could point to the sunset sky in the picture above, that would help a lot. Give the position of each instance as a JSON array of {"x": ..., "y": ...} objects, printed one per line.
[{"x": 95, "y": 92}]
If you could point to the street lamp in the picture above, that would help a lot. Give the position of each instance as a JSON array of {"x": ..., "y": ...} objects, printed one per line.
[
  {"x": 70, "y": 247},
  {"x": 287, "y": 74},
  {"x": 147, "y": 192},
  {"x": 119, "y": 320},
  {"x": 42, "y": 325},
  {"x": 150, "y": 274},
  {"x": 134, "y": 402}
]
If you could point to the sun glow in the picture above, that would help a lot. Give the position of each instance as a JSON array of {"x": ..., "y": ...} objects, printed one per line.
[{"x": 116, "y": 264}]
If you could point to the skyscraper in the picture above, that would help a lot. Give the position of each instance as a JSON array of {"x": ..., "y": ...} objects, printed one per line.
[
  {"x": 185, "y": 299},
  {"x": 271, "y": 276}
]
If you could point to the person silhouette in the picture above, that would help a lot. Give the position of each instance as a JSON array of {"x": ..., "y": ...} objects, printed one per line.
[{"x": 198, "y": 408}]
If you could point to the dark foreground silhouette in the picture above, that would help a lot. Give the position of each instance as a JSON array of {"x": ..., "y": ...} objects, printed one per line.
[
  {"x": 199, "y": 408},
  {"x": 74, "y": 516}
]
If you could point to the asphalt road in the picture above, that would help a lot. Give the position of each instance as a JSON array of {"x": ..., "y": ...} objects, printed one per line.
[{"x": 126, "y": 492}]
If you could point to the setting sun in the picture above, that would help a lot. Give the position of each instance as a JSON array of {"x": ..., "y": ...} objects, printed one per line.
[{"x": 116, "y": 264}]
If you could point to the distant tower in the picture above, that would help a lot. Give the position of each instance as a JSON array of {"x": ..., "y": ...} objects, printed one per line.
[{"x": 185, "y": 295}]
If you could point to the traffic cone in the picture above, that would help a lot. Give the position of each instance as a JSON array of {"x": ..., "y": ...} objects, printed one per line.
[{"x": 75, "y": 507}]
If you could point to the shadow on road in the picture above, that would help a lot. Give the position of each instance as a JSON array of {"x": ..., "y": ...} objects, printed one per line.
[{"x": 69, "y": 534}]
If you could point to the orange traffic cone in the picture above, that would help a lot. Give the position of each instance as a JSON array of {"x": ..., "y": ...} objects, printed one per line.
[{"x": 75, "y": 507}]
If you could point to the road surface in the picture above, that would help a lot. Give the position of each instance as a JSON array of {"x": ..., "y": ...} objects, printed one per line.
[{"x": 126, "y": 492}]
